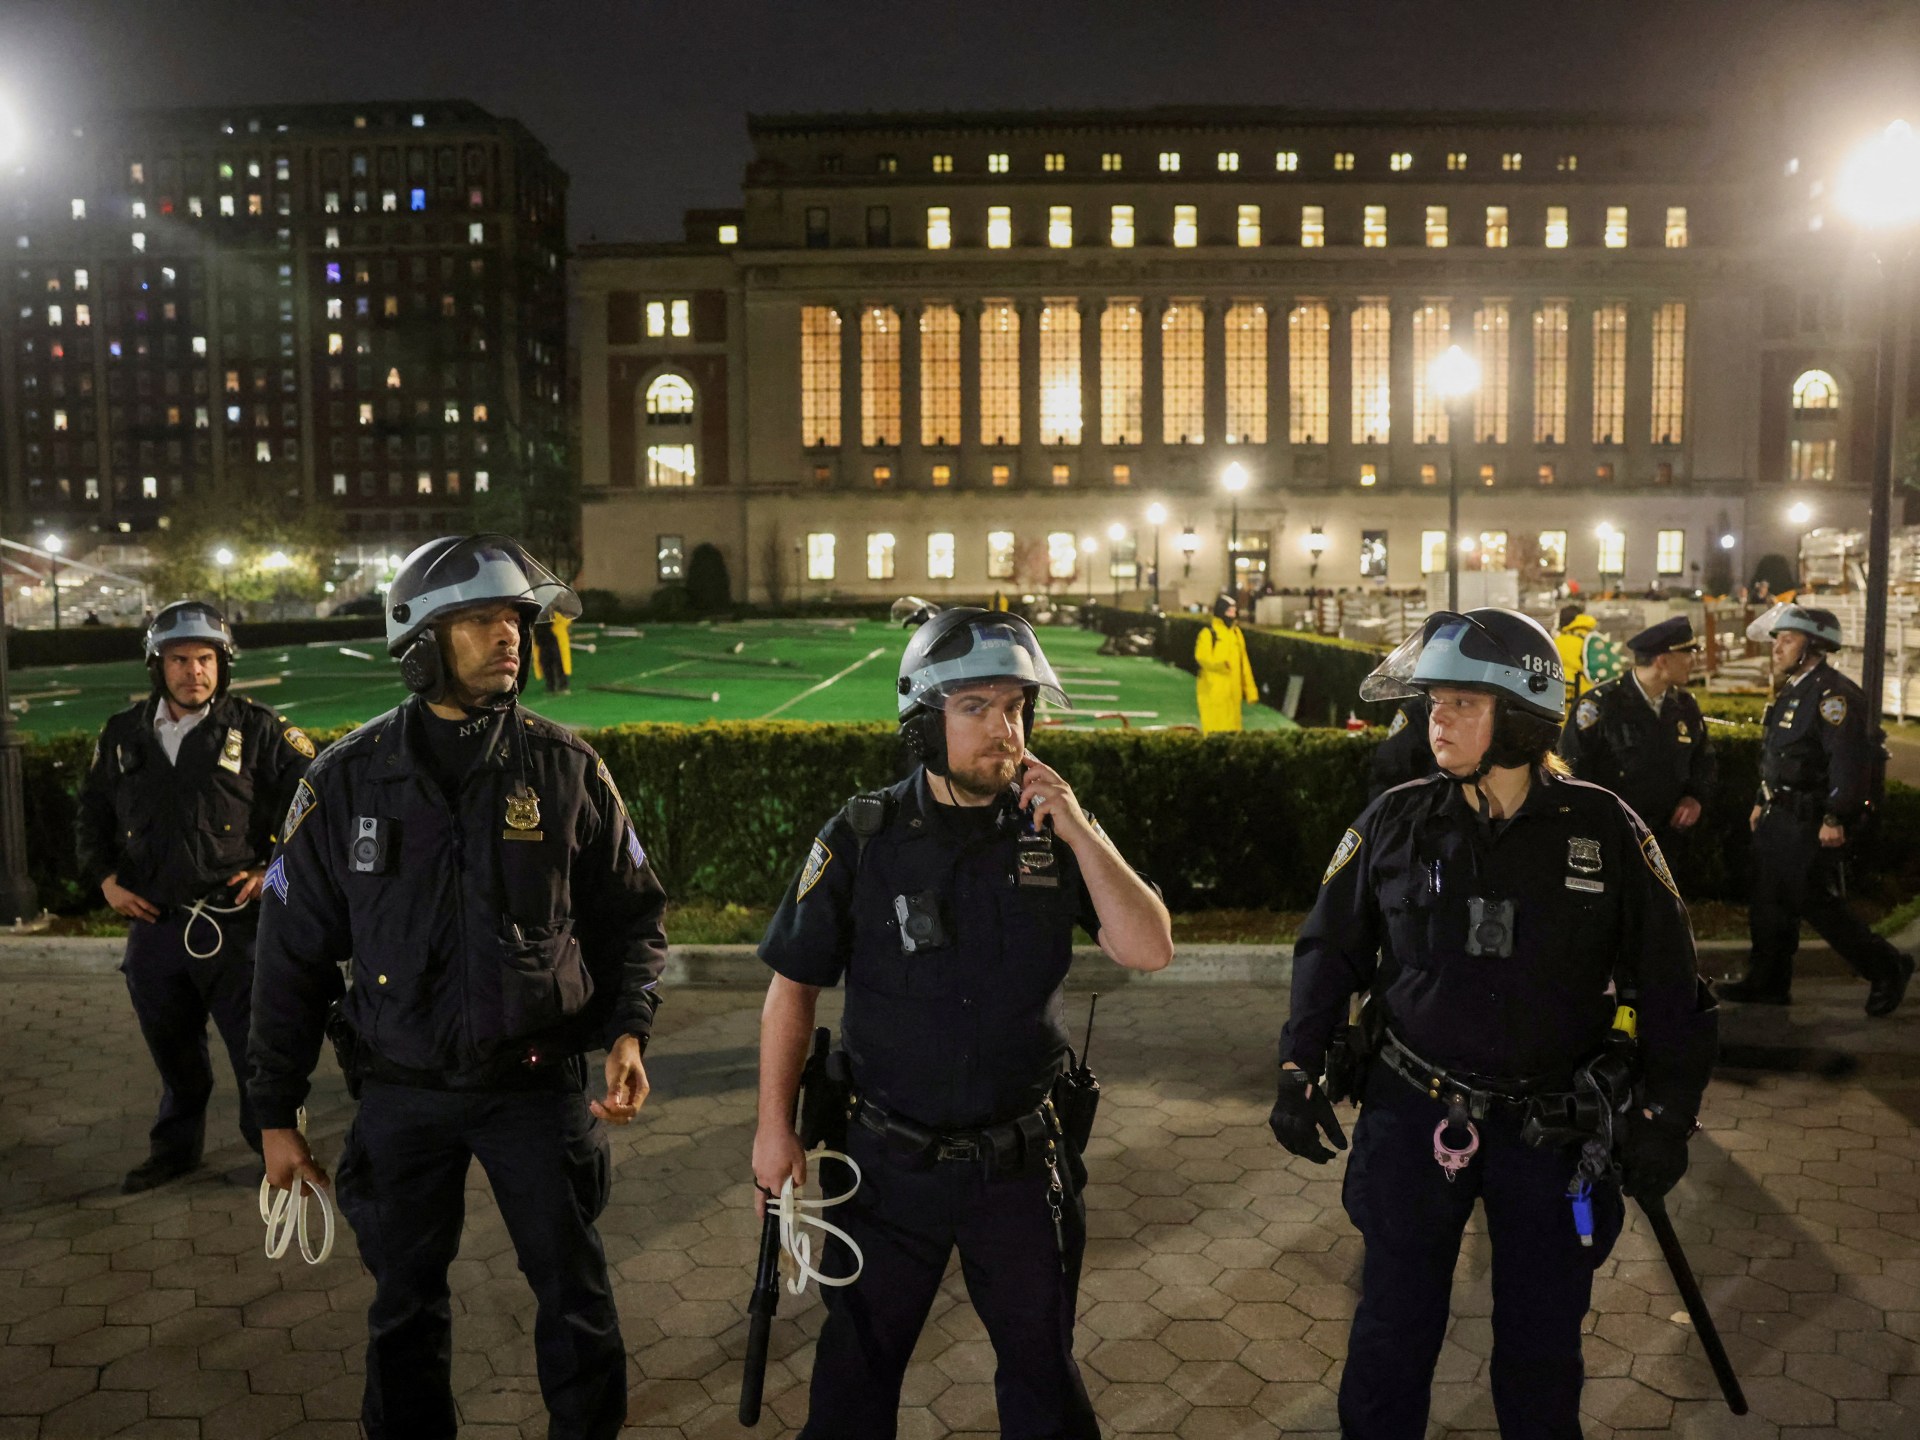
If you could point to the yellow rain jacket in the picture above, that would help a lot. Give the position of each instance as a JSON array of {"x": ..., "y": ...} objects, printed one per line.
[
  {"x": 1571, "y": 640},
  {"x": 1226, "y": 676},
  {"x": 562, "y": 626}
]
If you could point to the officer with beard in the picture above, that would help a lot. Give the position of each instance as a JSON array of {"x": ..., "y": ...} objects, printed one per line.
[{"x": 947, "y": 905}]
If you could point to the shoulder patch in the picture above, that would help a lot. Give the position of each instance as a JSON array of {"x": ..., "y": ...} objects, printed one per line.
[
  {"x": 606, "y": 779},
  {"x": 276, "y": 877},
  {"x": 1586, "y": 714},
  {"x": 304, "y": 799},
  {"x": 818, "y": 858},
  {"x": 1398, "y": 723},
  {"x": 297, "y": 738},
  {"x": 1657, "y": 863},
  {"x": 1833, "y": 709},
  {"x": 1349, "y": 847},
  {"x": 635, "y": 851}
]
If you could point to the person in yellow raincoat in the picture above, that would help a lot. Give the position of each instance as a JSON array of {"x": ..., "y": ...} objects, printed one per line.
[
  {"x": 1226, "y": 675},
  {"x": 553, "y": 655},
  {"x": 1571, "y": 641}
]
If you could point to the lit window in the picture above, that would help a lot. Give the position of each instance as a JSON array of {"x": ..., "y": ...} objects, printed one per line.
[
  {"x": 942, "y": 476},
  {"x": 339, "y": 482},
  {"x": 729, "y": 235},
  {"x": 656, "y": 318},
  {"x": 416, "y": 199},
  {"x": 1550, "y": 373},
  {"x": 1246, "y": 361},
  {"x": 83, "y": 317},
  {"x": 1055, "y": 161},
  {"x": 1060, "y": 226},
  {"x": 1110, "y": 161},
  {"x": 366, "y": 411},
  {"x": 479, "y": 414},
  {"x": 1456, "y": 160},
  {"x": 997, "y": 163},
  {"x": 819, "y": 556},
  {"x": 819, "y": 375},
  {"x": 336, "y": 343},
  {"x": 1169, "y": 162},
  {"x": 943, "y": 164},
  {"x": 1609, "y": 374},
  {"x": 1309, "y": 329},
  {"x": 1060, "y": 373},
  {"x": 1612, "y": 556},
  {"x": 1183, "y": 338},
  {"x": 226, "y": 205},
  {"x": 1510, "y": 160},
  {"x": 1186, "y": 226},
  {"x": 939, "y": 227},
  {"x": 388, "y": 201},
  {"x": 1492, "y": 550},
  {"x": 1227, "y": 161},
  {"x": 1552, "y": 546},
  {"x": 477, "y": 233},
  {"x": 79, "y": 209},
  {"x": 1816, "y": 392},
  {"x": 263, "y": 450},
  {"x": 139, "y": 209},
  {"x": 999, "y": 373},
  {"x": 79, "y": 279},
  {"x": 1373, "y": 227},
  {"x": 150, "y": 486},
  {"x": 1249, "y": 229},
  {"x": 1121, "y": 338},
  {"x": 1000, "y": 554},
  {"x": 1676, "y": 227},
  {"x": 1432, "y": 333},
  {"x": 139, "y": 242},
  {"x": 1063, "y": 555},
  {"x": 1401, "y": 160},
  {"x": 1062, "y": 474},
  {"x": 1490, "y": 400},
  {"x": 335, "y": 306},
  {"x": 1120, "y": 227},
  {"x": 1313, "y": 226},
  {"x": 940, "y": 555},
  {"x": 1343, "y": 160},
  {"x": 999, "y": 227},
  {"x": 195, "y": 208},
  {"x": 1496, "y": 227},
  {"x": 1000, "y": 476},
  {"x": 59, "y": 420},
  {"x": 1556, "y": 227},
  {"x": 1615, "y": 235},
  {"x": 1123, "y": 474},
  {"x": 333, "y": 238},
  {"x": 939, "y": 379},
  {"x": 880, "y": 555},
  {"x": 55, "y": 317},
  {"x": 1670, "y": 552},
  {"x": 681, "y": 311},
  {"x": 1286, "y": 160},
  {"x": 1433, "y": 551},
  {"x": 393, "y": 378},
  {"x": 1567, "y": 162},
  {"x": 137, "y": 172},
  {"x": 1437, "y": 227},
  {"x": 1669, "y": 373},
  {"x": 1371, "y": 329},
  {"x": 481, "y": 482},
  {"x": 1812, "y": 460},
  {"x": 886, "y": 164},
  {"x": 879, "y": 376}
]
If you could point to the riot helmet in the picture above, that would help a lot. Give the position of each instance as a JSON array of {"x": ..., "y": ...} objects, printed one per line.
[
  {"x": 958, "y": 649},
  {"x": 1501, "y": 652},
  {"x": 195, "y": 621},
  {"x": 456, "y": 572},
  {"x": 1821, "y": 627}
]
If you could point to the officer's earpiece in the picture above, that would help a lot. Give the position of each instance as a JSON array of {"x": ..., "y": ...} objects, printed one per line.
[
  {"x": 925, "y": 735},
  {"x": 421, "y": 668}
]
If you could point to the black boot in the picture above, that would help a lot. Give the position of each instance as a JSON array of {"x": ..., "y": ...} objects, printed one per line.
[
  {"x": 156, "y": 1171},
  {"x": 1886, "y": 993},
  {"x": 1755, "y": 991}
]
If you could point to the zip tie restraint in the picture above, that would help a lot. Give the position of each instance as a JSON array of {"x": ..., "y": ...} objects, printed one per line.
[
  {"x": 796, "y": 1212},
  {"x": 285, "y": 1213},
  {"x": 206, "y": 910}
]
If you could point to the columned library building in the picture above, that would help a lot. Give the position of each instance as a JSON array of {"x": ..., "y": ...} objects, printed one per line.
[{"x": 954, "y": 354}]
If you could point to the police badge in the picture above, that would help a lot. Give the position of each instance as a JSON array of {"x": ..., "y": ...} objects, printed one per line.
[
  {"x": 1586, "y": 714},
  {"x": 1583, "y": 855},
  {"x": 230, "y": 751},
  {"x": 523, "y": 816},
  {"x": 1397, "y": 724}
]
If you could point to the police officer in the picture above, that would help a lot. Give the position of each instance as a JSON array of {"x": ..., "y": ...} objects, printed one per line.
[
  {"x": 176, "y": 819},
  {"x": 947, "y": 905},
  {"x": 1487, "y": 911},
  {"x": 1642, "y": 735},
  {"x": 476, "y": 868},
  {"x": 1816, "y": 786},
  {"x": 1406, "y": 753}
]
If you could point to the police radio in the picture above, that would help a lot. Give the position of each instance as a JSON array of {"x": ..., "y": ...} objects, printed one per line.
[{"x": 367, "y": 855}]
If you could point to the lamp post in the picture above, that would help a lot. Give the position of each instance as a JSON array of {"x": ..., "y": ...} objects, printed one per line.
[
  {"x": 1315, "y": 544},
  {"x": 1879, "y": 189},
  {"x": 53, "y": 545},
  {"x": 1116, "y": 533},
  {"x": 277, "y": 564},
  {"x": 19, "y": 900},
  {"x": 1454, "y": 375},
  {"x": 1189, "y": 544},
  {"x": 223, "y": 557},
  {"x": 1156, "y": 517},
  {"x": 1235, "y": 480},
  {"x": 1087, "y": 546}
]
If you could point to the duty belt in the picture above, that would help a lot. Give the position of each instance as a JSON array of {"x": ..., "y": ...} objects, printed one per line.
[
  {"x": 513, "y": 1071},
  {"x": 1008, "y": 1146},
  {"x": 1478, "y": 1095}
]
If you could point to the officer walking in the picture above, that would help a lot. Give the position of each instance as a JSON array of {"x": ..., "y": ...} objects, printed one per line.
[
  {"x": 1225, "y": 672},
  {"x": 947, "y": 905},
  {"x": 176, "y": 819},
  {"x": 476, "y": 868},
  {"x": 1642, "y": 735},
  {"x": 1494, "y": 914},
  {"x": 1816, "y": 788}
]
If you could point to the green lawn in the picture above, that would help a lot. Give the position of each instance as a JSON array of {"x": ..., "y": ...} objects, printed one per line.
[{"x": 748, "y": 670}]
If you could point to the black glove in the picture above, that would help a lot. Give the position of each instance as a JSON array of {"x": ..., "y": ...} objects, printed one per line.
[
  {"x": 1653, "y": 1156},
  {"x": 1300, "y": 1113}
]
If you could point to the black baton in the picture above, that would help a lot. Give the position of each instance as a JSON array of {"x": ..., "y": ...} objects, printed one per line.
[
  {"x": 761, "y": 1306},
  {"x": 1655, "y": 1210}
]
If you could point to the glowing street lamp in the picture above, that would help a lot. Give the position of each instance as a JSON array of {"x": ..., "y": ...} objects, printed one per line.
[
  {"x": 223, "y": 557},
  {"x": 1800, "y": 512},
  {"x": 1188, "y": 543},
  {"x": 1116, "y": 533},
  {"x": 1156, "y": 517},
  {"x": 1087, "y": 547},
  {"x": 1454, "y": 376},
  {"x": 53, "y": 545},
  {"x": 1315, "y": 544}
]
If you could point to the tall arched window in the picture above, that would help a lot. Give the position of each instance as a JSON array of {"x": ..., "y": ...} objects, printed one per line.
[
  {"x": 667, "y": 429},
  {"x": 1813, "y": 448},
  {"x": 1815, "y": 391}
]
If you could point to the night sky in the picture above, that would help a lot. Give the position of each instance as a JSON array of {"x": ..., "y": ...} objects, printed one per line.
[{"x": 644, "y": 103}]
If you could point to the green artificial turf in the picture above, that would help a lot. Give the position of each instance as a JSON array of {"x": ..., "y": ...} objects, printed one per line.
[{"x": 770, "y": 669}]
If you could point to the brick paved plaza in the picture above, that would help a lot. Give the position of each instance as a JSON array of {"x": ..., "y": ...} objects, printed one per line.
[{"x": 1218, "y": 1284}]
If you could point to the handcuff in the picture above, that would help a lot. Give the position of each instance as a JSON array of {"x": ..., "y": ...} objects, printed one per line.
[
  {"x": 795, "y": 1211},
  {"x": 284, "y": 1212}
]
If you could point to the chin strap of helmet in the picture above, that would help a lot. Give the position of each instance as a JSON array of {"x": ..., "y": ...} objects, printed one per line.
[
  {"x": 924, "y": 729},
  {"x": 424, "y": 671}
]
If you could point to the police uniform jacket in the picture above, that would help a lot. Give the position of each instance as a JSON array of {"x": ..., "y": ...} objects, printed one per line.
[
  {"x": 484, "y": 936},
  {"x": 1595, "y": 904},
  {"x": 1817, "y": 757},
  {"x": 965, "y": 1035},
  {"x": 174, "y": 832},
  {"x": 1652, "y": 762}
]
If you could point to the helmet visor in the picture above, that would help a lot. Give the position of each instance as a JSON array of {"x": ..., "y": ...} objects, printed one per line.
[
  {"x": 489, "y": 569},
  {"x": 199, "y": 623},
  {"x": 1392, "y": 678},
  {"x": 999, "y": 652},
  {"x": 1768, "y": 620}
]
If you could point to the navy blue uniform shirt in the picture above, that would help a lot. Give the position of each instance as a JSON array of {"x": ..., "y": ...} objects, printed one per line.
[
  {"x": 1652, "y": 761},
  {"x": 1819, "y": 743}
]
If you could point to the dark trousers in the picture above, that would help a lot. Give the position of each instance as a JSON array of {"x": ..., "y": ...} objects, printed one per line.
[
  {"x": 174, "y": 995},
  {"x": 1411, "y": 1218},
  {"x": 907, "y": 1223},
  {"x": 1795, "y": 878},
  {"x": 401, "y": 1180}
]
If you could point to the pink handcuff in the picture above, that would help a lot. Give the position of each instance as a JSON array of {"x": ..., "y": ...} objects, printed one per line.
[{"x": 1450, "y": 1160}]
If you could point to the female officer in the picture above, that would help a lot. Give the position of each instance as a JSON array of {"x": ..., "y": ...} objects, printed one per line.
[{"x": 1495, "y": 913}]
